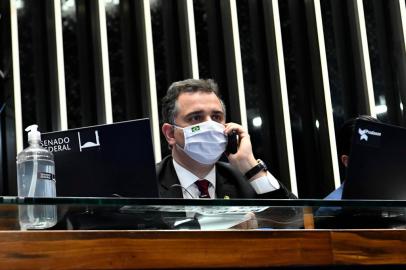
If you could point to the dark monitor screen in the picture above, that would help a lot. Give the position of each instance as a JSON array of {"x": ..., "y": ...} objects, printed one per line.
[
  {"x": 105, "y": 160},
  {"x": 377, "y": 162}
]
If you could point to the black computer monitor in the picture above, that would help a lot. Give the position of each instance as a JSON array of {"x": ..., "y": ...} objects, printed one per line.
[
  {"x": 377, "y": 162},
  {"x": 105, "y": 160}
]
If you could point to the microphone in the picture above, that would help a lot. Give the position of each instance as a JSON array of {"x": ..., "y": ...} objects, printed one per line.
[
  {"x": 183, "y": 189},
  {"x": 193, "y": 222}
]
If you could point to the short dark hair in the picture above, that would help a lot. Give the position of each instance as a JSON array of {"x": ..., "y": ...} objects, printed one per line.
[
  {"x": 169, "y": 105},
  {"x": 344, "y": 138}
]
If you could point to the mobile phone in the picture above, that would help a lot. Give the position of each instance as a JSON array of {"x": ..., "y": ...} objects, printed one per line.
[{"x": 232, "y": 144}]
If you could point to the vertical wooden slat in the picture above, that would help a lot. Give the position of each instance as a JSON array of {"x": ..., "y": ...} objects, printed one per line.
[
  {"x": 322, "y": 68},
  {"x": 398, "y": 18},
  {"x": 62, "y": 118},
  {"x": 280, "y": 93},
  {"x": 234, "y": 62},
  {"x": 187, "y": 19},
  {"x": 16, "y": 77},
  {"x": 101, "y": 62},
  {"x": 147, "y": 46},
  {"x": 360, "y": 44}
]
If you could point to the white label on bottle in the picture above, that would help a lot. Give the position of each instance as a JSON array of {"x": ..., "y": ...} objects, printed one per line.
[{"x": 46, "y": 176}]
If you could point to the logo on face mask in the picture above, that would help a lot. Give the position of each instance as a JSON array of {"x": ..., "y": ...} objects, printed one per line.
[{"x": 196, "y": 128}]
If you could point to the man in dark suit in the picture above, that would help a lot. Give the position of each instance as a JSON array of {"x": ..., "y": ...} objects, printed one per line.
[{"x": 196, "y": 132}]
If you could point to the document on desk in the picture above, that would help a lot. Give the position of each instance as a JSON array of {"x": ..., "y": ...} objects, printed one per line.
[
  {"x": 222, "y": 222},
  {"x": 202, "y": 210},
  {"x": 209, "y": 217}
]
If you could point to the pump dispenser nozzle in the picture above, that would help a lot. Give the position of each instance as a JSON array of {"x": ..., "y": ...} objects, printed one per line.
[{"x": 33, "y": 133}]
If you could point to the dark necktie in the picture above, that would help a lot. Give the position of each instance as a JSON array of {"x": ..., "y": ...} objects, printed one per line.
[{"x": 203, "y": 186}]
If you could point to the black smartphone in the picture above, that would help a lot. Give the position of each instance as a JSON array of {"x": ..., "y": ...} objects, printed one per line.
[{"x": 232, "y": 144}]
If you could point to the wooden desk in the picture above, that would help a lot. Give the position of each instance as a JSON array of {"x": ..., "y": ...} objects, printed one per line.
[{"x": 198, "y": 249}]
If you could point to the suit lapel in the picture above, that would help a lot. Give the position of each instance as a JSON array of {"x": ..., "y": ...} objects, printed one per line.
[
  {"x": 169, "y": 185},
  {"x": 223, "y": 188},
  {"x": 231, "y": 183}
]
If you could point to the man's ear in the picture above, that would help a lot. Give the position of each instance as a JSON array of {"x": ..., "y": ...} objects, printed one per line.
[
  {"x": 344, "y": 160},
  {"x": 169, "y": 133}
]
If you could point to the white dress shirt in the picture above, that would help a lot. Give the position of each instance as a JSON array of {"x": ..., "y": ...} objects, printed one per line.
[{"x": 187, "y": 180}]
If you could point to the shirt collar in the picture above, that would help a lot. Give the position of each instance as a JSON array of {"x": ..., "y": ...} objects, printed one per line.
[{"x": 186, "y": 178}]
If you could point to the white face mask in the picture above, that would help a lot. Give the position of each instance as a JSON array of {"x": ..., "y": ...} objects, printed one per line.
[{"x": 204, "y": 142}]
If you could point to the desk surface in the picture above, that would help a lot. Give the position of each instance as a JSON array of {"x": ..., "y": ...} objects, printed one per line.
[
  {"x": 197, "y": 249},
  {"x": 283, "y": 240}
]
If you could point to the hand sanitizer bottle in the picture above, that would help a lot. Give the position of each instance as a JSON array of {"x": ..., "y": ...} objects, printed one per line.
[{"x": 36, "y": 178}]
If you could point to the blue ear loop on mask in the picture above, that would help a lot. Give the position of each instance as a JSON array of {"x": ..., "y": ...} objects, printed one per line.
[
  {"x": 176, "y": 126},
  {"x": 181, "y": 128}
]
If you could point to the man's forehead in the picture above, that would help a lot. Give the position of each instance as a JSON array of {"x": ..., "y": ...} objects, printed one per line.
[
  {"x": 188, "y": 102},
  {"x": 191, "y": 98},
  {"x": 197, "y": 93}
]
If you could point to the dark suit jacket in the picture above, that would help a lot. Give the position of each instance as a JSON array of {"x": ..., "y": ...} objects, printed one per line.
[{"x": 229, "y": 182}]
